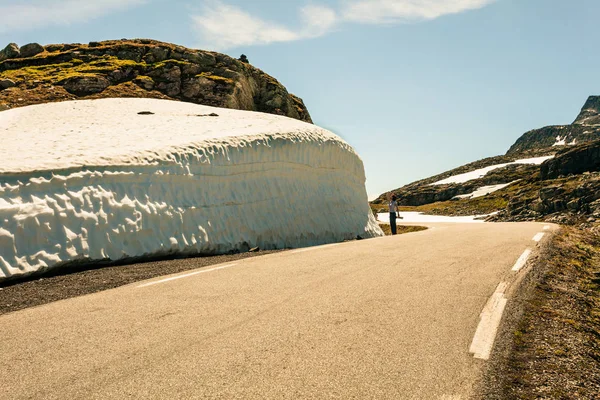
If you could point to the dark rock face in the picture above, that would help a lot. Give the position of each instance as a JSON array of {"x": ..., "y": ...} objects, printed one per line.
[
  {"x": 585, "y": 128},
  {"x": 141, "y": 68},
  {"x": 584, "y": 158}
]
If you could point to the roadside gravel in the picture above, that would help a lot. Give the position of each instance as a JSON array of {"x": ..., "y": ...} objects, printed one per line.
[
  {"x": 549, "y": 347},
  {"x": 82, "y": 280}
]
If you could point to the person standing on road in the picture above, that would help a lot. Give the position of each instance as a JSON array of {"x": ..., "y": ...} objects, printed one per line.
[{"x": 393, "y": 206}]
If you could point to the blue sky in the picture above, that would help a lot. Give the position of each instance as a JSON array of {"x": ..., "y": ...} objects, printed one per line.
[{"x": 416, "y": 86}]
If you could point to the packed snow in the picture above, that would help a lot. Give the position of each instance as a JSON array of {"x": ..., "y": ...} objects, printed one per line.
[
  {"x": 417, "y": 217},
  {"x": 96, "y": 180},
  {"x": 484, "y": 191},
  {"x": 480, "y": 173}
]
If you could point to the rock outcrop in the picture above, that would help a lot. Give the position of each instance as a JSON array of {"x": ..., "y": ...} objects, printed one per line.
[
  {"x": 139, "y": 68},
  {"x": 584, "y": 158},
  {"x": 585, "y": 128}
]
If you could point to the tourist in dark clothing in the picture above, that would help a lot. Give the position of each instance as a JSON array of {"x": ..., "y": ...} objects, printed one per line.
[{"x": 394, "y": 213}]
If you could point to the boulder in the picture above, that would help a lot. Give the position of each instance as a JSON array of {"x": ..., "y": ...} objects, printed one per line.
[
  {"x": 6, "y": 83},
  {"x": 85, "y": 85},
  {"x": 9, "y": 52},
  {"x": 31, "y": 49}
]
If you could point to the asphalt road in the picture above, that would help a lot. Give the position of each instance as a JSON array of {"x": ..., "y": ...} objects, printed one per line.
[{"x": 387, "y": 318}]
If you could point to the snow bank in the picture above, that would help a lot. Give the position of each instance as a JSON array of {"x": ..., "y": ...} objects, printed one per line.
[
  {"x": 96, "y": 180},
  {"x": 412, "y": 217},
  {"x": 480, "y": 173}
]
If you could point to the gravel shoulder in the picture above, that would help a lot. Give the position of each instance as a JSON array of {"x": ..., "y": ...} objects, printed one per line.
[{"x": 86, "y": 279}]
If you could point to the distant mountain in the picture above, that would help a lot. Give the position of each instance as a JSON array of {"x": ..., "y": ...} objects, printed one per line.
[
  {"x": 585, "y": 128},
  {"x": 551, "y": 173},
  {"x": 35, "y": 74}
]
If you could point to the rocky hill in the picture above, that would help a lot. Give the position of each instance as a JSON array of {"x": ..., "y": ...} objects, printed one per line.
[
  {"x": 585, "y": 128},
  {"x": 564, "y": 188},
  {"x": 35, "y": 74}
]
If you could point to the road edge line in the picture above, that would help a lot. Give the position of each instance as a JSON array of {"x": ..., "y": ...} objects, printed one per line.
[
  {"x": 490, "y": 318},
  {"x": 522, "y": 260},
  {"x": 173, "y": 278}
]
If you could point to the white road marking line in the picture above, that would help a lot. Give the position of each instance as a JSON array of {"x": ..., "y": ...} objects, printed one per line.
[
  {"x": 547, "y": 227},
  {"x": 538, "y": 237},
  {"x": 186, "y": 275},
  {"x": 522, "y": 260},
  {"x": 485, "y": 335},
  {"x": 313, "y": 248}
]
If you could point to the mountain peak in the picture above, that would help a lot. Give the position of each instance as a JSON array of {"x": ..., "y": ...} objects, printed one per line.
[
  {"x": 585, "y": 128},
  {"x": 590, "y": 113}
]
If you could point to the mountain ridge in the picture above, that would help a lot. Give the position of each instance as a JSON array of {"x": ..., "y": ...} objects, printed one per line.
[{"x": 585, "y": 128}]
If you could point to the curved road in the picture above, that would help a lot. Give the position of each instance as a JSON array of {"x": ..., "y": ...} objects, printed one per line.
[{"x": 387, "y": 318}]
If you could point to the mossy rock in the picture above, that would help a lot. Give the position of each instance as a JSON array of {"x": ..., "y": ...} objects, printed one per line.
[{"x": 142, "y": 68}]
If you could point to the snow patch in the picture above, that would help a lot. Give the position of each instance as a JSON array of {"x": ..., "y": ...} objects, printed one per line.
[
  {"x": 484, "y": 191},
  {"x": 480, "y": 173},
  {"x": 96, "y": 181},
  {"x": 412, "y": 217},
  {"x": 560, "y": 141}
]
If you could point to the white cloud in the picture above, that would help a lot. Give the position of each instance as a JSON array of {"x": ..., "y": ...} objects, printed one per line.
[
  {"x": 394, "y": 11},
  {"x": 224, "y": 26},
  {"x": 318, "y": 20},
  {"x": 35, "y": 14}
]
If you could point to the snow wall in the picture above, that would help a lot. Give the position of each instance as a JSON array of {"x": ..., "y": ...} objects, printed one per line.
[{"x": 95, "y": 180}]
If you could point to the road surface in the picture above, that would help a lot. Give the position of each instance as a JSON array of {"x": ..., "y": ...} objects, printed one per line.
[{"x": 386, "y": 318}]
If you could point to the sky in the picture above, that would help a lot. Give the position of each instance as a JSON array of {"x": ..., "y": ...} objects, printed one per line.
[{"x": 417, "y": 87}]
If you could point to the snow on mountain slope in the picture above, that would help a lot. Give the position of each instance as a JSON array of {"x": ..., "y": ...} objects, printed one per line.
[
  {"x": 484, "y": 191},
  {"x": 479, "y": 173},
  {"x": 96, "y": 180}
]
